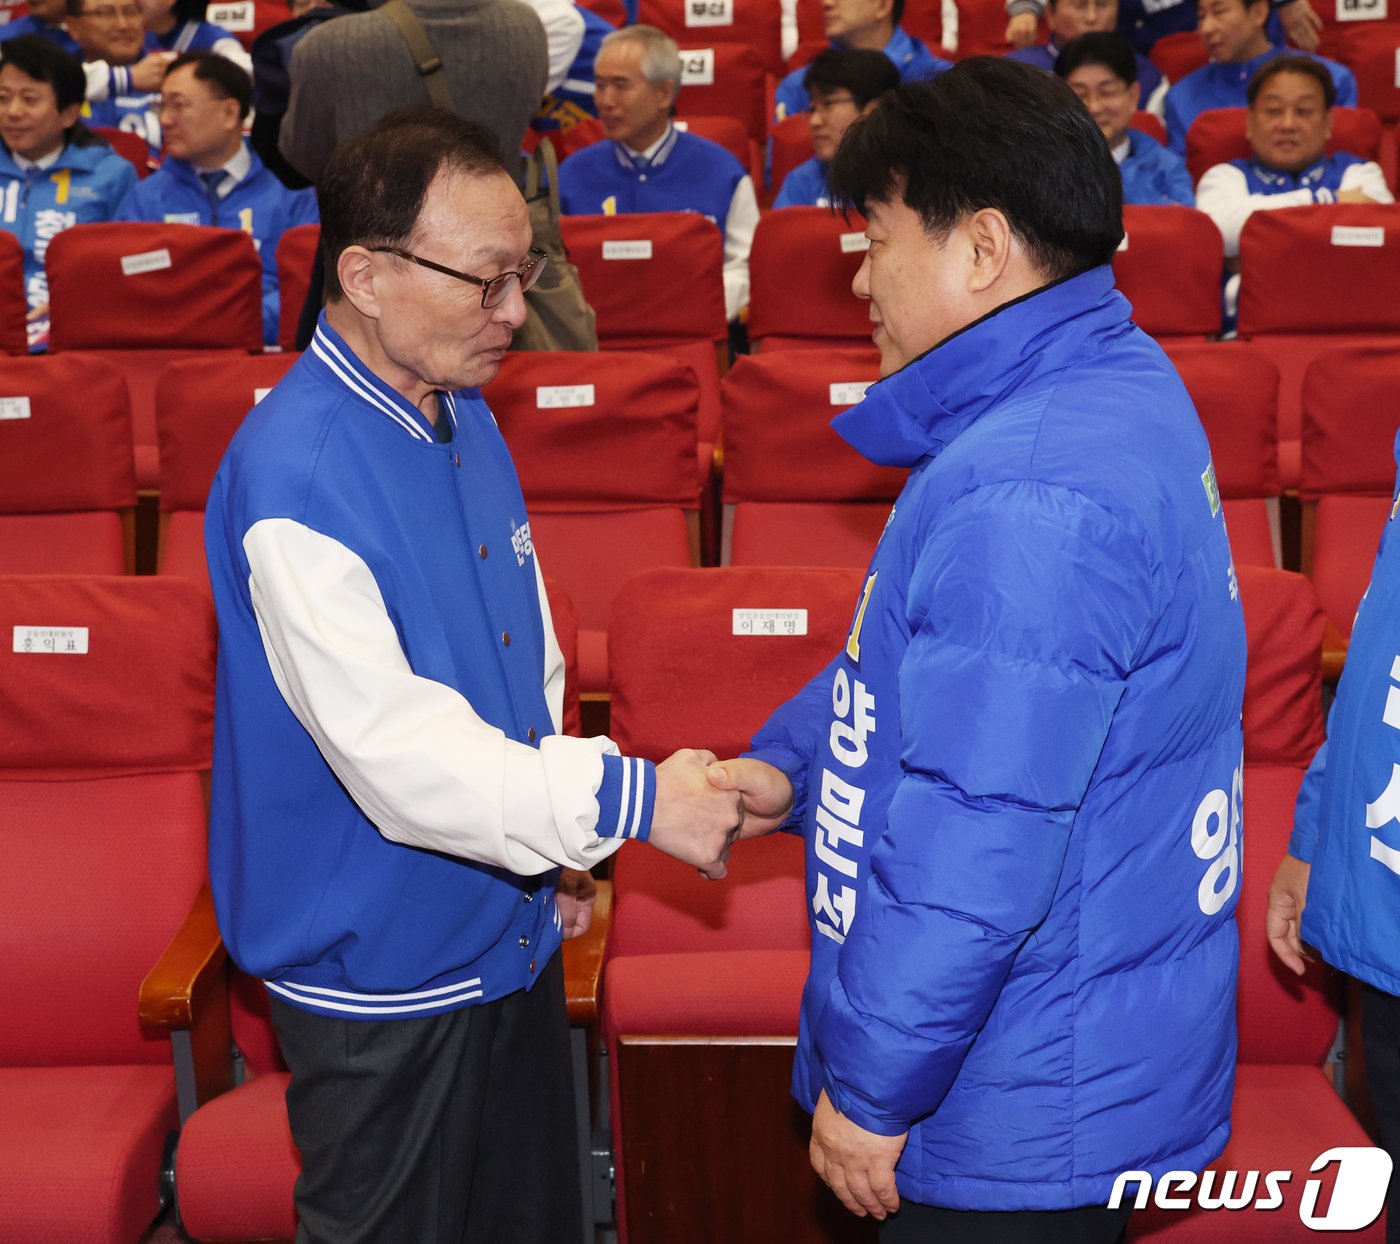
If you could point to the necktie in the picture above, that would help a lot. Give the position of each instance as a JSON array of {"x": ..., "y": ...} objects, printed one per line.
[{"x": 211, "y": 182}]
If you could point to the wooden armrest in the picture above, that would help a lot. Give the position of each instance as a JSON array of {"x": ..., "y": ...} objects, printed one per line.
[
  {"x": 583, "y": 962},
  {"x": 1334, "y": 654},
  {"x": 192, "y": 965}
]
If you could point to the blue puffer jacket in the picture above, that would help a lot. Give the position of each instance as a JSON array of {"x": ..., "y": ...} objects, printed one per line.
[
  {"x": 1348, "y": 818},
  {"x": 1020, "y": 781}
]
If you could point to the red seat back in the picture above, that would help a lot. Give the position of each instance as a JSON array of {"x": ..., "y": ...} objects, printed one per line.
[
  {"x": 631, "y": 267},
  {"x": 1150, "y": 123},
  {"x": 723, "y": 80},
  {"x": 792, "y": 145},
  {"x": 1178, "y": 54},
  {"x": 183, "y": 286},
  {"x": 296, "y": 253},
  {"x": 1169, "y": 266},
  {"x": 14, "y": 338},
  {"x": 756, "y": 24},
  {"x": 1369, "y": 49},
  {"x": 108, "y": 725},
  {"x": 726, "y": 131},
  {"x": 800, "y": 269},
  {"x": 131, "y": 147},
  {"x": 1217, "y": 136}
]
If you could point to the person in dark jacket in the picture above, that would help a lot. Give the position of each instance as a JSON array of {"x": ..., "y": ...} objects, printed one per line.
[{"x": 1019, "y": 781}]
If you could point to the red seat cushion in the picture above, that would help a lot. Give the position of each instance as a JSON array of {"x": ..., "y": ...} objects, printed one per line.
[
  {"x": 62, "y": 544},
  {"x": 1345, "y": 539},
  {"x": 796, "y": 533},
  {"x": 182, "y": 548},
  {"x": 80, "y": 1151},
  {"x": 236, "y": 1165}
]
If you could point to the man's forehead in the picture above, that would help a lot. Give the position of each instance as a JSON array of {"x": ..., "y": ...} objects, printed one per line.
[{"x": 482, "y": 216}]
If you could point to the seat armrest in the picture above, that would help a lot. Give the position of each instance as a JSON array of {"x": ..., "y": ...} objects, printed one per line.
[
  {"x": 583, "y": 962},
  {"x": 191, "y": 966}
]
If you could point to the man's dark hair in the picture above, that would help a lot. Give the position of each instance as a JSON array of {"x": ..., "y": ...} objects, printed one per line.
[
  {"x": 897, "y": 12},
  {"x": 43, "y": 60},
  {"x": 372, "y": 188},
  {"x": 1102, "y": 47},
  {"x": 990, "y": 133},
  {"x": 864, "y": 73},
  {"x": 1304, "y": 65},
  {"x": 225, "y": 79}
]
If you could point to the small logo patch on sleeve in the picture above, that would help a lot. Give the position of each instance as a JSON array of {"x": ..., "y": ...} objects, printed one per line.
[{"x": 1212, "y": 489}]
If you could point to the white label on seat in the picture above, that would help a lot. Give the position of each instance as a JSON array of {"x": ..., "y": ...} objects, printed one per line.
[
  {"x": 1362, "y": 10},
  {"x": 14, "y": 408},
  {"x": 1397, "y": 69},
  {"x": 698, "y": 67},
  {"x": 563, "y": 396},
  {"x": 259, "y": 394},
  {"x": 849, "y": 392},
  {"x": 770, "y": 621},
  {"x": 853, "y": 242},
  {"x": 709, "y": 13},
  {"x": 640, "y": 249},
  {"x": 1358, "y": 235},
  {"x": 68, "y": 640},
  {"x": 1123, "y": 245},
  {"x": 235, "y": 17},
  {"x": 147, "y": 261}
]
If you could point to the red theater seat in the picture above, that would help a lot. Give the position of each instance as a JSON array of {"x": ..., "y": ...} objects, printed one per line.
[
  {"x": 730, "y": 134},
  {"x": 801, "y": 267},
  {"x": 723, "y": 79},
  {"x": 792, "y": 145},
  {"x": 296, "y": 252},
  {"x": 1178, "y": 54},
  {"x": 1150, "y": 123},
  {"x": 1369, "y": 50},
  {"x": 103, "y": 823},
  {"x": 755, "y": 24},
  {"x": 1217, "y": 136},
  {"x": 131, "y": 147},
  {"x": 67, "y": 480},
  {"x": 14, "y": 337},
  {"x": 1169, "y": 266}
]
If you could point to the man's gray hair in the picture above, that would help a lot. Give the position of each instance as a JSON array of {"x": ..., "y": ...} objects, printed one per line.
[{"x": 661, "y": 55}]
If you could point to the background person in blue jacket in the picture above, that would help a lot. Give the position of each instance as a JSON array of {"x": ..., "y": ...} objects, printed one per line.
[
  {"x": 1019, "y": 782},
  {"x": 211, "y": 176},
  {"x": 1338, "y": 888},
  {"x": 53, "y": 172},
  {"x": 1101, "y": 70}
]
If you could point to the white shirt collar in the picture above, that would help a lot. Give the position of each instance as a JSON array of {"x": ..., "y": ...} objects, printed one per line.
[
  {"x": 235, "y": 170},
  {"x": 651, "y": 151},
  {"x": 1120, "y": 152},
  {"x": 47, "y": 161}
]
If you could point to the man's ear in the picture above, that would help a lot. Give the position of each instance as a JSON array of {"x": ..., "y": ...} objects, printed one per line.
[
  {"x": 356, "y": 269},
  {"x": 992, "y": 241}
]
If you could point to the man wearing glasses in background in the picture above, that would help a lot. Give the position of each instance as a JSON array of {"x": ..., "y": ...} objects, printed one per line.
[{"x": 392, "y": 803}]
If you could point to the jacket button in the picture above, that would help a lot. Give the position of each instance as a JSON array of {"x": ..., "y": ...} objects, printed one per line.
[
  {"x": 524, "y": 941},
  {"x": 505, "y": 638},
  {"x": 529, "y": 898},
  {"x": 530, "y": 734},
  {"x": 481, "y": 552}
]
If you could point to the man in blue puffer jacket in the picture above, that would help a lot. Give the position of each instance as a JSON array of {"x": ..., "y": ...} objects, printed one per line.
[{"x": 1019, "y": 782}]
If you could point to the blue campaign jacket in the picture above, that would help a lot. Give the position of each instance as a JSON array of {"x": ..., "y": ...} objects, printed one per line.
[
  {"x": 910, "y": 56},
  {"x": 86, "y": 184},
  {"x": 1019, "y": 784},
  {"x": 134, "y": 112},
  {"x": 1153, "y": 174},
  {"x": 1347, "y": 822},
  {"x": 1044, "y": 55},
  {"x": 573, "y": 100},
  {"x": 1324, "y": 178},
  {"x": 260, "y": 205},
  {"x": 805, "y": 186},
  {"x": 687, "y": 174},
  {"x": 1223, "y": 86},
  {"x": 31, "y": 25}
]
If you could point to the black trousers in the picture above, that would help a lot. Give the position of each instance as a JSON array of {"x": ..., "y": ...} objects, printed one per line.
[
  {"x": 927, "y": 1224},
  {"x": 1380, "y": 1035},
  {"x": 450, "y": 1129}
]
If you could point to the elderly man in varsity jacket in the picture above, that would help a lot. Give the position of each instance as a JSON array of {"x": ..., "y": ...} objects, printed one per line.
[
  {"x": 651, "y": 166},
  {"x": 392, "y": 802}
]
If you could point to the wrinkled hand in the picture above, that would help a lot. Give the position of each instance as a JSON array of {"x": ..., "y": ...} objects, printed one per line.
[
  {"x": 149, "y": 72},
  {"x": 692, "y": 820},
  {"x": 766, "y": 793},
  {"x": 1022, "y": 29},
  {"x": 1301, "y": 24},
  {"x": 1288, "y": 894},
  {"x": 574, "y": 895},
  {"x": 855, "y": 1164}
]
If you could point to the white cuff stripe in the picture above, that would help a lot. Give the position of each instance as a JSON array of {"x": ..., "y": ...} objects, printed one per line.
[
  {"x": 450, "y": 1000},
  {"x": 620, "y": 829},
  {"x": 640, "y": 799},
  {"x": 383, "y": 997}
]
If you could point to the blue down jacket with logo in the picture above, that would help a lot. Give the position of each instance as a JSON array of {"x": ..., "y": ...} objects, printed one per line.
[{"x": 1019, "y": 784}]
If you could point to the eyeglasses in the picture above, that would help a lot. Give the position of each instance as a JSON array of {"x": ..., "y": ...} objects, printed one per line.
[
  {"x": 494, "y": 289},
  {"x": 829, "y": 102},
  {"x": 1108, "y": 93},
  {"x": 107, "y": 13}
]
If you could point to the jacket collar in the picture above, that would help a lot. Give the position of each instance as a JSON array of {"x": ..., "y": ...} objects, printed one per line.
[
  {"x": 660, "y": 150},
  {"x": 1278, "y": 180},
  {"x": 184, "y": 171},
  {"x": 340, "y": 365},
  {"x": 927, "y": 404}
]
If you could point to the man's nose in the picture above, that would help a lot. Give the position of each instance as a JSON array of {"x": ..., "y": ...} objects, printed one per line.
[{"x": 860, "y": 283}]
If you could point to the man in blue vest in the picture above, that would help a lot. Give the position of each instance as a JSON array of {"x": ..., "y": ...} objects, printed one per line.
[
  {"x": 210, "y": 175},
  {"x": 871, "y": 24},
  {"x": 1236, "y": 36},
  {"x": 1069, "y": 19},
  {"x": 651, "y": 166},
  {"x": 392, "y": 802},
  {"x": 1101, "y": 69},
  {"x": 1023, "y": 959}
]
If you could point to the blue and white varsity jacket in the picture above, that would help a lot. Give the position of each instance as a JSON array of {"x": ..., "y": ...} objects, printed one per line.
[
  {"x": 258, "y": 204},
  {"x": 391, "y": 799},
  {"x": 1224, "y": 86},
  {"x": 573, "y": 100},
  {"x": 1230, "y": 193},
  {"x": 123, "y": 108},
  {"x": 199, "y": 36},
  {"x": 1019, "y": 782},
  {"x": 805, "y": 186},
  {"x": 910, "y": 56},
  {"x": 86, "y": 184},
  {"x": 1347, "y": 823},
  {"x": 1153, "y": 174}
]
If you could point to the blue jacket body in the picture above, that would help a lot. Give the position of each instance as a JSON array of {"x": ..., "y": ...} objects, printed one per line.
[
  {"x": 1154, "y": 174},
  {"x": 1323, "y": 178},
  {"x": 573, "y": 100},
  {"x": 189, "y": 36},
  {"x": 1019, "y": 783},
  {"x": 1223, "y": 86},
  {"x": 805, "y": 186},
  {"x": 260, "y": 205},
  {"x": 910, "y": 56},
  {"x": 1348, "y": 819},
  {"x": 86, "y": 184},
  {"x": 31, "y": 25}
]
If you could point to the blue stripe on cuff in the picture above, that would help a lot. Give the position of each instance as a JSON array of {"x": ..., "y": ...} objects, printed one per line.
[{"x": 626, "y": 798}]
